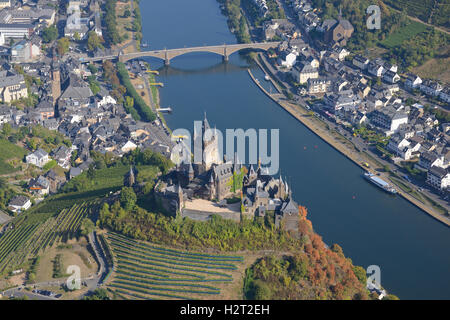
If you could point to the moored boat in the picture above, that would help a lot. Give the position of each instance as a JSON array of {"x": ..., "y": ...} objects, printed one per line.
[{"x": 379, "y": 183}]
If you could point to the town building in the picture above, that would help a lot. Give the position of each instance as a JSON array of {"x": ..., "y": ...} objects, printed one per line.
[
  {"x": 12, "y": 87},
  {"x": 438, "y": 178},
  {"x": 389, "y": 119},
  {"x": 19, "y": 204},
  {"x": 38, "y": 158}
]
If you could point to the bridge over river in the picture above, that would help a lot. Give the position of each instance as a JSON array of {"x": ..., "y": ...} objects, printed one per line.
[{"x": 224, "y": 50}]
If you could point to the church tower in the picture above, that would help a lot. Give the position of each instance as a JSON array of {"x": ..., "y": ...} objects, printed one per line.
[
  {"x": 56, "y": 79},
  {"x": 130, "y": 178}
]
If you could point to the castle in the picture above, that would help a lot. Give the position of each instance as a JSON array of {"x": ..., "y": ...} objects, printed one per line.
[{"x": 217, "y": 180}]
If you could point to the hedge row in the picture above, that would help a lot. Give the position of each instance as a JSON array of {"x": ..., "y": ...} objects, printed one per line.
[{"x": 139, "y": 104}]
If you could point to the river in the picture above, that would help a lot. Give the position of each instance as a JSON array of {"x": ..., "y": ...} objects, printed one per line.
[{"x": 373, "y": 228}]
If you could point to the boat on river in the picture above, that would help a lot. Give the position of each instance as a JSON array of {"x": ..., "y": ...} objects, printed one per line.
[{"x": 379, "y": 183}]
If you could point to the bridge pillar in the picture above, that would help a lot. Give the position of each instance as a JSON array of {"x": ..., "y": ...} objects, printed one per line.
[
  {"x": 166, "y": 58},
  {"x": 225, "y": 55}
]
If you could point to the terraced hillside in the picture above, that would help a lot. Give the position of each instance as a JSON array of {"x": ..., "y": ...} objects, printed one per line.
[
  {"x": 146, "y": 271},
  {"x": 31, "y": 234}
]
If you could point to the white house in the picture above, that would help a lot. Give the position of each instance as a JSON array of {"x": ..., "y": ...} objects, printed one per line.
[
  {"x": 431, "y": 88},
  {"x": 391, "y": 77},
  {"x": 19, "y": 204},
  {"x": 128, "y": 146},
  {"x": 413, "y": 81},
  {"x": 288, "y": 59},
  {"x": 341, "y": 53},
  {"x": 303, "y": 72},
  {"x": 438, "y": 178},
  {"x": 106, "y": 100},
  {"x": 361, "y": 62},
  {"x": 375, "y": 69},
  {"x": 396, "y": 144},
  {"x": 38, "y": 158}
]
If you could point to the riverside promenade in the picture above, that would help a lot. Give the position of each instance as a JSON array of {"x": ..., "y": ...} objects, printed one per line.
[{"x": 312, "y": 123}]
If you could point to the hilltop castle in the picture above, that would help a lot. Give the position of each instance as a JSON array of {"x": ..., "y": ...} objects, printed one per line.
[{"x": 216, "y": 179}]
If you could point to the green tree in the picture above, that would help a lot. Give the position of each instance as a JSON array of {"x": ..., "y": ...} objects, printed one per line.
[
  {"x": 92, "y": 68},
  {"x": 361, "y": 274},
  {"x": 94, "y": 41},
  {"x": 127, "y": 198},
  {"x": 262, "y": 291},
  {"x": 127, "y": 13},
  {"x": 87, "y": 226},
  {"x": 63, "y": 46},
  {"x": 129, "y": 101},
  {"x": 76, "y": 36},
  {"x": 7, "y": 129},
  {"x": 49, "y": 34},
  {"x": 91, "y": 172}
]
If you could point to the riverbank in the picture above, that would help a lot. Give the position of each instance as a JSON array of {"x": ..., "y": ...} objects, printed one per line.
[{"x": 312, "y": 123}]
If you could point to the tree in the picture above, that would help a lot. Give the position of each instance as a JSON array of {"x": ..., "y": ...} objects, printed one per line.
[
  {"x": 63, "y": 46},
  {"x": 360, "y": 273},
  {"x": 7, "y": 129},
  {"x": 91, "y": 172},
  {"x": 76, "y": 36},
  {"x": 49, "y": 34},
  {"x": 87, "y": 226},
  {"x": 127, "y": 14},
  {"x": 262, "y": 291},
  {"x": 92, "y": 68},
  {"x": 129, "y": 102},
  {"x": 127, "y": 198},
  {"x": 94, "y": 41}
]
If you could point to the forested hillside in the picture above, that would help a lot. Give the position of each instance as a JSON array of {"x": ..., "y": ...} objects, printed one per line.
[{"x": 436, "y": 12}]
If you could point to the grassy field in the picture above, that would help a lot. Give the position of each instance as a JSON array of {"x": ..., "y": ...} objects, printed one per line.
[
  {"x": 76, "y": 254},
  {"x": 147, "y": 271},
  {"x": 9, "y": 151},
  {"x": 404, "y": 33}
]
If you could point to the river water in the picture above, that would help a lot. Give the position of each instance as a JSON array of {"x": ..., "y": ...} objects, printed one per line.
[{"x": 374, "y": 228}]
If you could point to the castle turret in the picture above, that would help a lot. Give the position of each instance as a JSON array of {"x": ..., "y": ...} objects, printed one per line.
[
  {"x": 237, "y": 165},
  {"x": 212, "y": 187},
  {"x": 191, "y": 172}
]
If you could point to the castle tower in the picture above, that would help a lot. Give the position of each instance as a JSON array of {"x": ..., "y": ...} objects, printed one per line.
[{"x": 210, "y": 146}]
